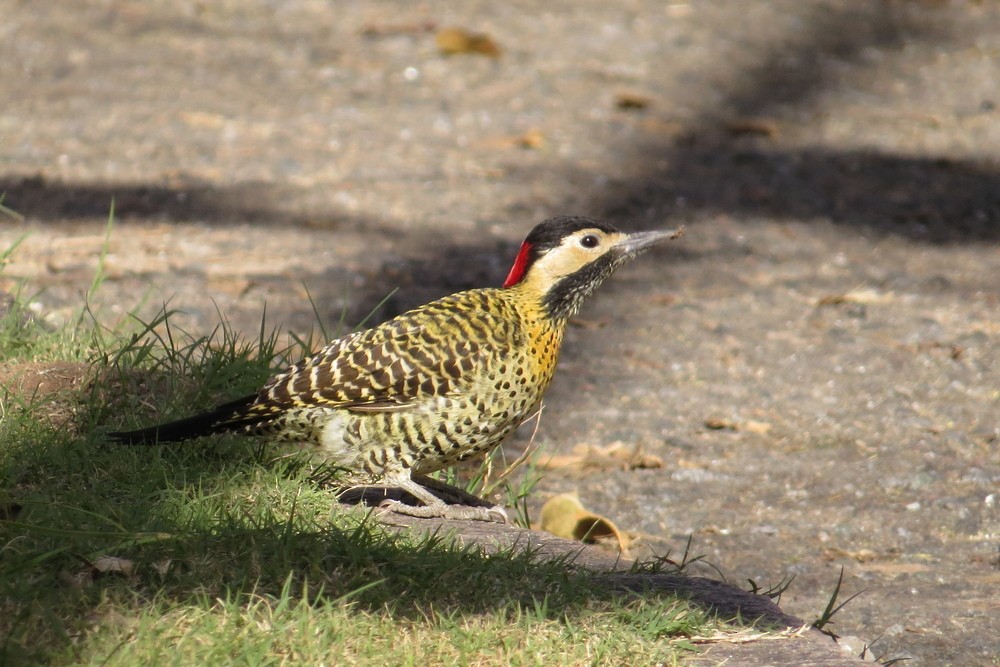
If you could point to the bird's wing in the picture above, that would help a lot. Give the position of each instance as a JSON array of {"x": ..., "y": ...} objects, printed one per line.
[{"x": 414, "y": 356}]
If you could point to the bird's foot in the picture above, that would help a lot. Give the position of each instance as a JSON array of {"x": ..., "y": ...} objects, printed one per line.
[{"x": 441, "y": 510}]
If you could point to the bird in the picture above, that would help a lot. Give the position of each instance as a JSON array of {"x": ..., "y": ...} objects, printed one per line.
[{"x": 438, "y": 384}]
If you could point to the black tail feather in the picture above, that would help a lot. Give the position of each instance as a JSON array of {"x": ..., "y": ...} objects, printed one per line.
[{"x": 229, "y": 417}]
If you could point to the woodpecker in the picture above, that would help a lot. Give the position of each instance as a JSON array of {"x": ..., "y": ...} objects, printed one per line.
[{"x": 436, "y": 385}]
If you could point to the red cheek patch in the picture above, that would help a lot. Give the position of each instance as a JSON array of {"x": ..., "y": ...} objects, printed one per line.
[{"x": 520, "y": 266}]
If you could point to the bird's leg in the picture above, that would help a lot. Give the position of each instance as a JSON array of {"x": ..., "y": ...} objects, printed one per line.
[{"x": 434, "y": 507}]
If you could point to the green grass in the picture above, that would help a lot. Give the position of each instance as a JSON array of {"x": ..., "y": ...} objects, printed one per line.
[{"x": 230, "y": 554}]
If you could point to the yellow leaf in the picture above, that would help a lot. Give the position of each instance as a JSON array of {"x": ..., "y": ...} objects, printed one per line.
[{"x": 564, "y": 516}]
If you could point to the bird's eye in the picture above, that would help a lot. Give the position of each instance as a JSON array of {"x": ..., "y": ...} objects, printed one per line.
[{"x": 589, "y": 241}]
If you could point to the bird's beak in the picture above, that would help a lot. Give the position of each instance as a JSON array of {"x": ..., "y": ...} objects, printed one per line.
[{"x": 635, "y": 243}]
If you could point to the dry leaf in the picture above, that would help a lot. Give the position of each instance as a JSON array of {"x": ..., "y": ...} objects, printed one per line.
[
  {"x": 860, "y": 555},
  {"x": 203, "y": 119},
  {"x": 113, "y": 565},
  {"x": 896, "y": 568},
  {"x": 588, "y": 324},
  {"x": 530, "y": 140},
  {"x": 453, "y": 41},
  {"x": 760, "y": 127},
  {"x": 753, "y": 426},
  {"x": 956, "y": 352},
  {"x": 862, "y": 296},
  {"x": 631, "y": 101},
  {"x": 662, "y": 127},
  {"x": 378, "y": 30},
  {"x": 591, "y": 459},
  {"x": 720, "y": 424},
  {"x": 749, "y": 426},
  {"x": 564, "y": 516}
]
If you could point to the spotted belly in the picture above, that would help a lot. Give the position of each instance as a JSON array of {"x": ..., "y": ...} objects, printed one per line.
[{"x": 423, "y": 438}]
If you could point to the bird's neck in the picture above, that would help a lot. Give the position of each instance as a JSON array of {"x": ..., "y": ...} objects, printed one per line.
[
  {"x": 537, "y": 299},
  {"x": 559, "y": 298}
]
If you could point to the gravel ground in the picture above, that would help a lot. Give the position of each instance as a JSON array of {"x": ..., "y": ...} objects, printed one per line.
[{"x": 816, "y": 362}]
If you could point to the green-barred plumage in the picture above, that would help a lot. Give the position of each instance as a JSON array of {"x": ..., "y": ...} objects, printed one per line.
[{"x": 440, "y": 383}]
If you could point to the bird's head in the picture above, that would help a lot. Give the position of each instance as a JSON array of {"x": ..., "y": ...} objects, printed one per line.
[{"x": 563, "y": 260}]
